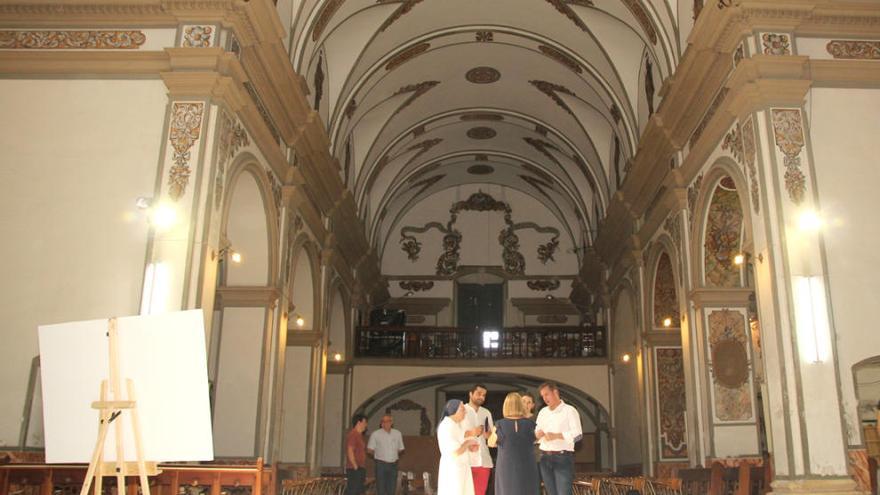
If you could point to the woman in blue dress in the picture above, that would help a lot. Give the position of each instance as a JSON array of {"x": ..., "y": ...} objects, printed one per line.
[{"x": 515, "y": 470}]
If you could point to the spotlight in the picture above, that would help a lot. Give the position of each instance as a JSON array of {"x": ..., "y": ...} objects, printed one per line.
[
  {"x": 163, "y": 216},
  {"x": 739, "y": 259},
  {"x": 625, "y": 358},
  {"x": 300, "y": 321},
  {"x": 667, "y": 322},
  {"x": 337, "y": 357},
  {"x": 235, "y": 256},
  {"x": 810, "y": 221}
]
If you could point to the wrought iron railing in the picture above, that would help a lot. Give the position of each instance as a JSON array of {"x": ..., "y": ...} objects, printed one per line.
[{"x": 459, "y": 343}]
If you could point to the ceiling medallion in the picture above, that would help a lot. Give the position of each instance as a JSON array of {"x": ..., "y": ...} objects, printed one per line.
[
  {"x": 482, "y": 75},
  {"x": 480, "y": 169},
  {"x": 481, "y": 133}
]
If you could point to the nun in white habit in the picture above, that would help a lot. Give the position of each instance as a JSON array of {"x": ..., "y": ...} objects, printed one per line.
[{"x": 454, "y": 477}]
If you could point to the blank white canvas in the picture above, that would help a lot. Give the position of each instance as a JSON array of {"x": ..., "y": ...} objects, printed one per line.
[{"x": 163, "y": 354}]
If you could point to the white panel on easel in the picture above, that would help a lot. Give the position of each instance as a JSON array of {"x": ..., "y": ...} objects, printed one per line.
[{"x": 163, "y": 354}]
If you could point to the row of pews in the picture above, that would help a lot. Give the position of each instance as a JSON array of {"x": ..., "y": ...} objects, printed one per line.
[
  {"x": 249, "y": 477},
  {"x": 717, "y": 480}
]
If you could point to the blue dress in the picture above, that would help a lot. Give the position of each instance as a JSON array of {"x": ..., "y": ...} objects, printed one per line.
[{"x": 515, "y": 470}]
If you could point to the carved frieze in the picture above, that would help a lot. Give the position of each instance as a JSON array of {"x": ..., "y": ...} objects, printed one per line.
[
  {"x": 416, "y": 285},
  {"x": 854, "y": 49},
  {"x": 72, "y": 40},
  {"x": 186, "y": 126}
]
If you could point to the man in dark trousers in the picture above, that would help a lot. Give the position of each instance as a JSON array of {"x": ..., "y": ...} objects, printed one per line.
[{"x": 356, "y": 456}]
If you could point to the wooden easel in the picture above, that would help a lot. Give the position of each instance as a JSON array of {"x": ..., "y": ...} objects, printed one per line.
[{"x": 110, "y": 411}]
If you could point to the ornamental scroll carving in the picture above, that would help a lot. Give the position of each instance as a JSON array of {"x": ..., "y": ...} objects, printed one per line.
[
  {"x": 416, "y": 285},
  {"x": 854, "y": 50},
  {"x": 447, "y": 263},
  {"x": 750, "y": 156},
  {"x": 543, "y": 285},
  {"x": 72, "y": 40},
  {"x": 197, "y": 36},
  {"x": 232, "y": 137},
  {"x": 789, "y": 134},
  {"x": 776, "y": 44},
  {"x": 407, "y": 55},
  {"x": 186, "y": 125}
]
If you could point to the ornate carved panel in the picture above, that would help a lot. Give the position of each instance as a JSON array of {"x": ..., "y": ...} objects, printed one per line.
[
  {"x": 74, "y": 40},
  {"x": 186, "y": 126},
  {"x": 750, "y": 156},
  {"x": 232, "y": 137},
  {"x": 483, "y": 75},
  {"x": 671, "y": 402},
  {"x": 789, "y": 134},
  {"x": 776, "y": 43},
  {"x": 543, "y": 285},
  {"x": 665, "y": 299},
  {"x": 730, "y": 366},
  {"x": 416, "y": 285},
  {"x": 196, "y": 36},
  {"x": 722, "y": 236},
  {"x": 407, "y": 55}
]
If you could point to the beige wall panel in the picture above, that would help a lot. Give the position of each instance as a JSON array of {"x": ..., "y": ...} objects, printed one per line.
[
  {"x": 76, "y": 155},
  {"x": 335, "y": 426},
  {"x": 238, "y": 381},
  {"x": 845, "y": 153},
  {"x": 295, "y": 414},
  {"x": 627, "y": 416}
]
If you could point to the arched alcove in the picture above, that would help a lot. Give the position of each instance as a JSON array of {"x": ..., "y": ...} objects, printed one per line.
[
  {"x": 246, "y": 232},
  {"x": 723, "y": 236},
  {"x": 665, "y": 295}
]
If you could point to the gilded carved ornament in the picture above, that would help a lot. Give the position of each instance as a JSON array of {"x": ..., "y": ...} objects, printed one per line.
[
  {"x": 186, "y": 125},
  {"x": 72, "y": 40}
]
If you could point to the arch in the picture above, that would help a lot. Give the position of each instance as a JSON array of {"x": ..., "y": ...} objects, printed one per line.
[
  {"x": 246, "y": 167},
  {"x": 866, "y": 386},
  {"x": 305, "y": 278},
  {"x": 667, "y": 287},
  {"x": 721, "y": 168},
  {"x": 338, "y": 320}
]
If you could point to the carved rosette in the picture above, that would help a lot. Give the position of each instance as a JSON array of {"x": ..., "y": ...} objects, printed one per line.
[
  {"x": 186, "y": 125},
  {"x": 232, "y": 137},
  {"x": 776, "y": 43},
  {"x": 750, "y": 156},
  {"x": 854, "y": 49},
  {"x": 789, "y": 134},
  {"x": 72, "y": 40},
  {"x": 197, "y": 36}
]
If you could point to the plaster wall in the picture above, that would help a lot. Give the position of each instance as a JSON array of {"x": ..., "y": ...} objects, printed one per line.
[
  {"x": 295, "y": 412},
  {"x": 238, "y": 382},
  {"x": 845, "y": 155},
  {"x": 335, "y": 426},
  {"x": 77, "y": 154}
]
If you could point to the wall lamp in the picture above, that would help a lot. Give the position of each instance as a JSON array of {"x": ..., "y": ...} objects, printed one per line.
[{"x": 300, "y": 321}]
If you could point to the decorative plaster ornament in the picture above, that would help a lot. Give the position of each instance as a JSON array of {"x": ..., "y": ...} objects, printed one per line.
[
  {"x": 482, "y": 75},
  {"x": 186, "y": 126},
  {"x": 481, "y": 133},
  {"x": 854, "y": 49},
  {"x": 73, "y": 40}
]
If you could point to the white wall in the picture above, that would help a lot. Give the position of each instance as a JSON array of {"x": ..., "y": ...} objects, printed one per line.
[
  {"x": 238, "y": 382},
  {"x": 295, "y": 411},
  {"x": 844, "y": 134},
  {"x": 335, "y": 426},
  {"x": 76, "y": 155}
]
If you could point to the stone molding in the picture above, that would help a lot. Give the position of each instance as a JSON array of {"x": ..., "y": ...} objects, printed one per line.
[
  {"x": 720, "y": 298},
  {"x": 247, "y": 297}
]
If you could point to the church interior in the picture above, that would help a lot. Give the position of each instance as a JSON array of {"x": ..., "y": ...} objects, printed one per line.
[{"x": 664, "y": 206}]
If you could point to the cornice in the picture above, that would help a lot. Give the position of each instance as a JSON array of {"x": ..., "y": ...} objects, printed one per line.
[
  {"x": 303, "y": 338},
  {"x": 246, "y": 297},
  {"x": 710, "y": 297}
]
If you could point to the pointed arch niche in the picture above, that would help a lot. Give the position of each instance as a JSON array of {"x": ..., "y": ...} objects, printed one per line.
[
  {"x": 665, "y": 294},
  {"x": 723, "y": 236}
]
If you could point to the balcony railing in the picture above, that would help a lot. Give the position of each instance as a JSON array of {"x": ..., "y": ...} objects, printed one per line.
[{"x": 458, "y": 343}]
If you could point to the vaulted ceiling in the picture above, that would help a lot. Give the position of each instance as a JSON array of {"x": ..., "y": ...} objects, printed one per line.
[{"x": 547, "y": 97}]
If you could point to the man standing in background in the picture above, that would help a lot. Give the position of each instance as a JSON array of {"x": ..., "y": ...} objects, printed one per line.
[
  {"x": 559, "y": 427},
  {"x": 355, "y": 456},
  {"x": 386, "y": 445},
  {"x": 478, "y": 423}
]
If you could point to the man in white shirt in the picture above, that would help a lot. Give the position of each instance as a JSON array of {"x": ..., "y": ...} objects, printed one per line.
[
  {"x": 478, "y": 423},
  {"x": 559, "y": 427},
  {"x": 386, "y": 445}
]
